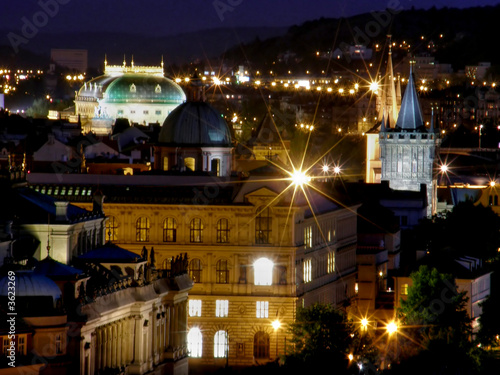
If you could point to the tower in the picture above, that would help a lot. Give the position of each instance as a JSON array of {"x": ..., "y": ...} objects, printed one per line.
[
  {"x": 388, "y": 104},
  {"x": 408, "y": 150}
]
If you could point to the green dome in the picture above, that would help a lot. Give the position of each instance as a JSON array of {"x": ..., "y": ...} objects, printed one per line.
[
  {"x": 195, "y": 124},
  {"x": 144, "y": 88}
]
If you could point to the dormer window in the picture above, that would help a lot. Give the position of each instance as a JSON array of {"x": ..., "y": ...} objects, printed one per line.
[
  {"x": 133, "y": 88},
  {"x": 158, "y": 89}
]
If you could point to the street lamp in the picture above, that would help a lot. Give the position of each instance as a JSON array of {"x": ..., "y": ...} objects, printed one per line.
[{"x": 276, "y": 325}]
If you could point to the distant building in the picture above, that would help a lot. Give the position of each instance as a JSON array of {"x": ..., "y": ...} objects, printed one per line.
[
  {"x": 477, "y": 71},
  {"x": 140, "y": 94},
  {"x": 73, "y": 59}
]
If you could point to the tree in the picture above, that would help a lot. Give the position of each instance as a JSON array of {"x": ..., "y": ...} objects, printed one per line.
[
  {"x": 435, "y": 319},
  {"x": 39, "y": 109},
  {"x": 436, "y": 308},
  {"x": 323, "y": 337}
]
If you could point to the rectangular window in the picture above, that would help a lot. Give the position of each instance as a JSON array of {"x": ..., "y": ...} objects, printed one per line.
[
  {"x": 195, "y": 307},
  {"x": 21, "y": 345},
  {"x": 59, "y": 344},
  {"x": 119, "y": 112},
  {"x": 307, "y": 270},
  {"x": 221, "y": 308},
  {"x": 404, "y": 289},
  {"x": 331, "y": 262},
  {"x": 157, "y": 112},
  {"x": 6, "y": 345},
  {"x": 308, "y": 237},
  {"x": 145, "y": 112},
  {"x": 262, "y": 309}
]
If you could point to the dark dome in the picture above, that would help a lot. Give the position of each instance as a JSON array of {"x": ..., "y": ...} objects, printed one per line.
[
  {"x": 36, "y": 294},
  {"x": 195, "y": 124}
]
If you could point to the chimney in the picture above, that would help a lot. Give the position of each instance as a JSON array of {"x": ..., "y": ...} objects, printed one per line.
[{"x": 61, "y": 211}]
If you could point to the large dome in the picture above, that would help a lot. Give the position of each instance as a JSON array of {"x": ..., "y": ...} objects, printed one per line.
[
  {"x": 134, "y": 88},
  {"x": 35, "y": 293},
  {"x": 195, "y": 124}
]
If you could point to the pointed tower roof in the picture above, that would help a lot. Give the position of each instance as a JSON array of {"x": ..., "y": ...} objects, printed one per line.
[
  {"x": 389, "y": 100},
  {"x": 410, "y": 114}
]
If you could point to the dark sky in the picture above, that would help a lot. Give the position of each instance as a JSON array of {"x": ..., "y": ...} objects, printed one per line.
[{"x": 167, "y": 17}]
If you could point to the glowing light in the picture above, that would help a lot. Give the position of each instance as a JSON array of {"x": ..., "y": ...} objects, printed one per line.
[
  {"x": 392, "y": 327},
  {"x": 336, "y": 170},
  {"x": 351, "y": 357},
  {"x": 276, "y": 324},
  {"x": 444, "y": 168},
  {"x": 299, "y": 178},
  {"x": 364, "y": 322},
  {"x": 492, "y": 183},
  {"x": 374, "y": 86},
  {"x": 325, "y": 168}
]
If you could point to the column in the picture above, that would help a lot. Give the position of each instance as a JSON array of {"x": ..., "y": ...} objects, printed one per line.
[{"x": 119, "y": 349}]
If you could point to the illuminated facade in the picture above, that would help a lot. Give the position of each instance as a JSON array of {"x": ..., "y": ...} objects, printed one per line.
[
  {"x": 408, "y": 150},
  {"x": 139, "y": 93}
]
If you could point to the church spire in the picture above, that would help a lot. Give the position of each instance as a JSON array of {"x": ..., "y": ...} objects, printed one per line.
[
  {"x": 410, "y": 114},
  {"x": 389, "y": 99},
  {"x": 432, "y": 120}
]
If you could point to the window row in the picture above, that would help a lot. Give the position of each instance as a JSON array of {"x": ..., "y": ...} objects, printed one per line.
[
  {"x": 262, "y": 267},
  {"x": 261, "y": 344},
  {"x": 222, "y": 308},
  {"x": 263, "y": 229}
]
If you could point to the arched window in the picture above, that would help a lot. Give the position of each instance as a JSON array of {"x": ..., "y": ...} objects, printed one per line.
[
  {"x": 165, "y": 163},
  {"x": 263, "y": 225},
  {"x": 169, "y": 230},
  {"x": 261, "y": 345},
  {"x": 263, "y": 271},
  {"x": 190, "y": 163},
  {"x": 195, "y": 342},
  {"x": 223, "y": 231},
  {"x": 220, "y": 344},
  {"x": 196, "y": 230},
  {"x": 222, "y": 272},
  {"x": 142, "y": 229},
  {"x": 195, "y": 270},
  {"x": 111, "y": 229}
]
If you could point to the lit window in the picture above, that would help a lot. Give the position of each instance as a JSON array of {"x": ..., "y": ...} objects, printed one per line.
[
  {"x": 190, "y": 163},
  {"x": 220, "y": 344},
  {"x": 221, "y": 308},
  {"x": 223, "y": 231},
  {"x": 21, "y": 344},
  {"x": 404, "y": 289},
  {"x": 263, "y": 271},
  {"x": 59, "y": 344},
  {"x": 331, "y": 262},
  {"x": 263, "y": 226},
  {"x": 195, "y": 270},
  {"x": 307, "y": 270},
  {"x": 6, "y": 345},
  {"x": 262, "y": 309},
  {"x": 142, "y": 229},
  {"x": 112, "y": 229},
  {"x": 195, "y": 307},
  {"x": 261, "y": 345},
  {"x": 195, "y": 342},
  {"x": 222, "y": 272},
  {"x": 196, "y": 231},
  {"x": 169, "y": 230},
  {"x": 308, "y": 237}
]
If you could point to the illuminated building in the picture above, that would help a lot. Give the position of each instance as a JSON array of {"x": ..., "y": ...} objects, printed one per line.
[
  {"x": 110, "y": 310},
  {"x": 408, "y": 150},
  {"x": 139, "y": 93}
]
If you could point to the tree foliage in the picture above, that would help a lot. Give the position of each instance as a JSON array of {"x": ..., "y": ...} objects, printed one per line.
[
  {"x": 322, "y": 335},
  {"x": 435, "y": 308}
]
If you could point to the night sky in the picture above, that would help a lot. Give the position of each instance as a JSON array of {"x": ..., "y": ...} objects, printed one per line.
[{"x": 169, "y": 17}]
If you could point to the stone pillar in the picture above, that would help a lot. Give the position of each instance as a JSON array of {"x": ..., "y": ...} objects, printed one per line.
[{"x": 119, "y": 349}]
